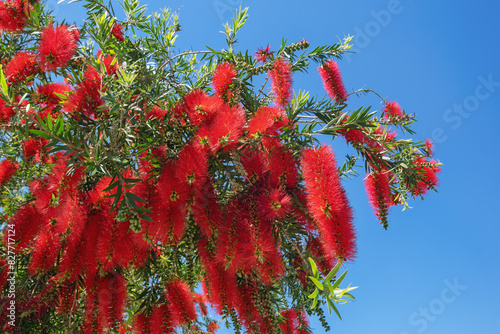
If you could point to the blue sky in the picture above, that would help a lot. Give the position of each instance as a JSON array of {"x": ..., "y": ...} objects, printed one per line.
[{"x": 435, "y": 270}]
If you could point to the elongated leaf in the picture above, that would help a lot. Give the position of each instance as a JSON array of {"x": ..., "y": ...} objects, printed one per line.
[
  {"x": 339, "y": 280},
  {"x": 317, "y": 283},
  {"x": 314, "y": 294},
  {"x": 314, "y": 268},
  {"x": 332, "y": 272}
]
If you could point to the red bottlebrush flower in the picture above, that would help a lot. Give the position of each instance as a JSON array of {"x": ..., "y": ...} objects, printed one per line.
[
  {"x": 207, "y": 211},
  {"x": 275, "y": 205},
  {"x": 112, "y": 297},
  {"x": 51, "y": 93},
  {"x": 377, "y": 185},
  {"x": 263, "y": 54},
  {"x": 7, "y": 170},
  {"x": 327, "y": 203},
  {"x": 427, "y": 171},
  {"x": 200, "y": 107},
  {"x": 283, "y": 168},
  {"x": 330, "y": 74},
  {"x": 13, "y": 14},
  {"x": 160, "y": 321},
  {"x": 28, "y": 222},
  {"x": 281, "y": 82},
  {"x": 267, "y": 120},
  {"x": 116, "y": 31},
  {"x": 191, "y": 167},
  {"x": 212, "y": 327},
  {"x": 181, "y": 302},
  {"x": 21, "y": 66},
  {"x": 45, "y": 250},
  {"x": 392, "y": 109},
  {"x": 429, "y": 144},
  {"x": 254, "y": 163},
  {"x": 226, "y": 129},
  {"x": 5, "y": 112},
  {"x": 57, "y": 46},
  {"x": 86, "y": 99},
  {"x": 4, "y": 273},
  {"x": 223, "y": 76}
]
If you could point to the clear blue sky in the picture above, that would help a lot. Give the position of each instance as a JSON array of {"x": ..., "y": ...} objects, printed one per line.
[{"x": 439, "y": 60}]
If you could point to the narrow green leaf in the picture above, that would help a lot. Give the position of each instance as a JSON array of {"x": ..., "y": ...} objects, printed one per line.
[
  {"x": 332, "y": 305},
  {"x": 41, "y": 134},
  {"x": 314, "y": 268},
  {"x": 314, "y": 294},
  {"x": 332, "y": 272},
  {"x": 315, "y": 301},
  {"x": 339, "y": 280},
  {"x": 317, "y": 283}
]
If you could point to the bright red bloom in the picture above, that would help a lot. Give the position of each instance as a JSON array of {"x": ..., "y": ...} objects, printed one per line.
[
  {"x": 281, "y": 82},
  {"x": 50, "y": 93},
  {"x": 181, "y": 302},
  {"x": 295, "y": 323},
  {"x": 263, "y": 54},
  {"x": 223, "y": 76},
  {"x": 7, "y": 170},
  {"x": 160, "y": 321},
  {"x": 200, "y": 107},
  {"x": 21, "y": 66},
  {"x": 283, "y": 169},
  {"x": 377, "y": 185},
  {"x": 328, "y": 204},
  {"x": 429, "y": 144},
  {"x": 5, "y": 112},
  {"x": 267, "y": 120},
  {"x": 57, "y": 46},
  {"x": 225, "y": 130},
  {"x": 45, "y": 250},
  {"x": 427, "y": 171},
  {"x": 116, "y": 31},
  {"x": 13, "y": 14},
  {"x": 392, "y": 109},
  {"x": 275, "y": 205},
  {"x": 212, "y": 327},
  {"x": 192, "y": 166},
  {"x": 332, "y": 80},
  {"x": 112, "y": 297}
]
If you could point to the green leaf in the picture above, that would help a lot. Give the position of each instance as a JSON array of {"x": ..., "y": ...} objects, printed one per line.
[
  {"x": 41, "y": 134},
  {"x": 339, "y": 280},
  {"x": 332, "y": 305},
  {"x": 332, "y": 272},
  {"x": 3, "y": 83},
  {"x": 314, "y": 268},
  {"x": 314, "y": 294},
  {"x": 315, "y": 301},
  {"x": 317, "y": 283}
]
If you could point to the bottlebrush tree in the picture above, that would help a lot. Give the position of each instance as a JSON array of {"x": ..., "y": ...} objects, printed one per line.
[{"x": 145, "y": 189}]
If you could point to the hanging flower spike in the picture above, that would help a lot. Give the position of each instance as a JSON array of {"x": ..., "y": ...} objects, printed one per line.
[
  {"x": 392, "y": 109},
  {"x": 427, "y": 171},
  {"x": 281, "y": 82},
  {"x": 332, "y": 81},
  {"x": 377, "y": 185},
  {"x": 13, "y": 15},
  {"x": 327, "y": 203},
  {"x": 263, "y": 54},
  {"x": 429, "y": 145},
  {"x": 223, "y": 76},
  {"x": 7, "y": 170},
  {"x": 181, "y": 302},
  {"x": 57, "y": 46},
  {"x": 21, "y": 66},
  {"x": 116, "y": 31}
]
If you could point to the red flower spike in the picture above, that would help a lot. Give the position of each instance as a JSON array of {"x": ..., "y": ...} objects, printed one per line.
[
  {"x": 427, "y": 171},
  {"x": 377, "y": 185},
  {"x": 275, "y": 205},
  {"x": 112, "y": 297},
  {"x": 226, "y": 129},
  {"x": 57, "y": 46},
  {"x": 160, "y": 321},
  {"x": 45, "y": 251},
  {"x": 13, "y": 15},
  {"x": 429, "y": 145},
  {"x": 392, "y": 109},
  {"x": 283, "y": 168},
  {"x": 212, "y": 327},
  {"x": 22, "y": 66},
  {"x": 181, "y": 302},
  {"x": 267, "y": 120},
  {"x": 263, "y": 54},
  {"x": 222, "y": 78},
  {"x": 191, "y": 168},
  {"x": 327, "y": 203},
  {"x": 281, "y": 82},
  {"x": 332, "y": 81},
  {"x": 7, "y": 170},
  {"x": 200, "y": 107},
  {"x": 116, "y": 31},
  {"x": 5, "y": 112}
]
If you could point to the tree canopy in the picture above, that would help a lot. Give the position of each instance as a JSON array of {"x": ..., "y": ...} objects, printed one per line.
[{"x": 143, "y": 186}]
